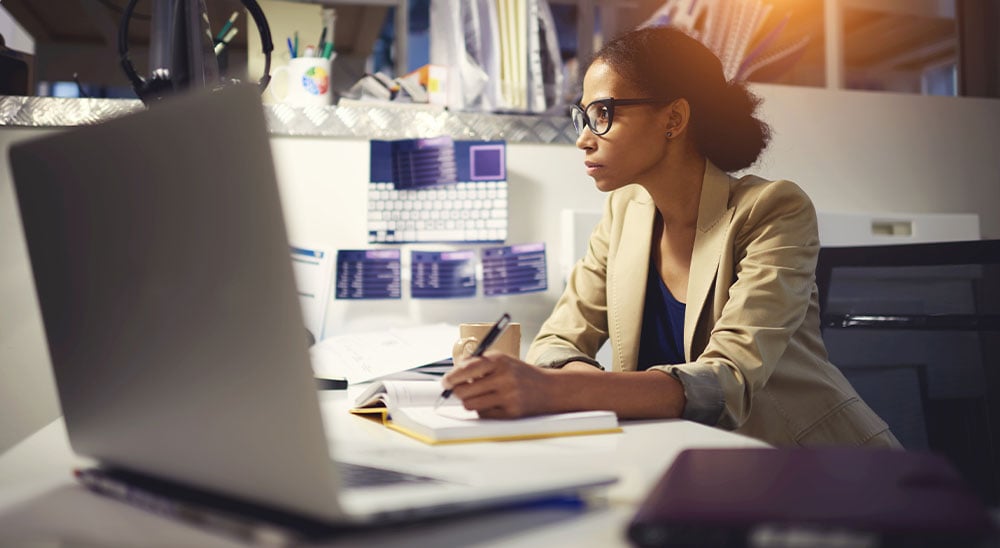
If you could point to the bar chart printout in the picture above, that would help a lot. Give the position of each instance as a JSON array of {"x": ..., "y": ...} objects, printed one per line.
[{"x": 369, "y": 274}]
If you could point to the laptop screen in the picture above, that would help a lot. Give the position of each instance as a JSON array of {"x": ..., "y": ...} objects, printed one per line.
[{"x": 161, "y": 264}]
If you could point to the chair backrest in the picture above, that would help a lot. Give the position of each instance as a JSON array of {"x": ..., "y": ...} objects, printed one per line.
[{"x": 916, "y": 329}]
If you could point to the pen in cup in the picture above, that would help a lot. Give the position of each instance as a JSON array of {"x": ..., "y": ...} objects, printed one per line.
[
  {"x": 225, "y": 28},
  {"x": 221, "y": 44},
  {"x": 490, "y": 337},
  {"x": 322, "y": 41}
]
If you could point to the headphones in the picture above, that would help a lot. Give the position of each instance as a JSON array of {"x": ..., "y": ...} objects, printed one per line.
[{"x": 160, "y": 84}]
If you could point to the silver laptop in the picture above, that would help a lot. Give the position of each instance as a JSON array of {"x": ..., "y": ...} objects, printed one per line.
[{"x": 164, "y": 279}]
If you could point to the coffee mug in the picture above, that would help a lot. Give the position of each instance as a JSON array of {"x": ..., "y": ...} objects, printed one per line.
[
  {"x": 303, "y": 82},
  {"x": 471, "y": 334}
]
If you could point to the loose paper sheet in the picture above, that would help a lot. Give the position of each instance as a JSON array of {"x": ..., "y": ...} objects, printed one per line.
[
  {"x": 312, "y": 268},
  {"x": 366, "y": 356}
]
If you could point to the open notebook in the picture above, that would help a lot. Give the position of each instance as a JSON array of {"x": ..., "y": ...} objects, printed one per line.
[{"x": 407, "y": 406}]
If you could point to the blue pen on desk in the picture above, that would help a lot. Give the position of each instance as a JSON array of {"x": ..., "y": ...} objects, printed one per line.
[{"x": 491, "y": 336}]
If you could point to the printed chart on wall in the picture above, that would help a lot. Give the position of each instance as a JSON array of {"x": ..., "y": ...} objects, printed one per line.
[
  {"x": 514, "y": 269},
  {"x": 369, "y": 274},
  {"x": 312, "y": 269},
  {"x": 442, "y": 275},
  {"x": 437, "y": 190},
  {"x": 445, "y": 274}
]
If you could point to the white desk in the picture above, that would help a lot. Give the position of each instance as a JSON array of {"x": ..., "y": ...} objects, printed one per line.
[{"x": 40, "y": 503}]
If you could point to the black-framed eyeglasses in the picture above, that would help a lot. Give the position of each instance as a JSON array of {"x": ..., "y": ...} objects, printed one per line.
[{"x": 600, "y": 112}]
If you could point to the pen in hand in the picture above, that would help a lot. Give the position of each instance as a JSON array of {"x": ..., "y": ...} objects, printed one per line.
[{"x": 491, "y": 336}]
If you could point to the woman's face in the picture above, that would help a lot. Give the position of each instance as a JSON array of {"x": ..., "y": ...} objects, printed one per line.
[{"x": 635, "y": 145}]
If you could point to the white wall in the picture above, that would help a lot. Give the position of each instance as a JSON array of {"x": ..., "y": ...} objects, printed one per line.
[
  {"x": 851, "y": 151},
  {"x": 27, "y": 393},
  {"x": 324, "y": 184},
  {"x": 887, "y": 152},
  {"x": 14, "y": 35}
]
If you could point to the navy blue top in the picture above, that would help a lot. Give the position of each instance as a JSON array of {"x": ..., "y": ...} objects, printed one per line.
[{"x": 662, "y": 340}]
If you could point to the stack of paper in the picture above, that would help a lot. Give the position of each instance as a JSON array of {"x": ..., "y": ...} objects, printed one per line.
[{"x": 361, "y": 357}]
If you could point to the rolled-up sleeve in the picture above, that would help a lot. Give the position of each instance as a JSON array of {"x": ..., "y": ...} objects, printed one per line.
[{"x": 704, "y": 399}]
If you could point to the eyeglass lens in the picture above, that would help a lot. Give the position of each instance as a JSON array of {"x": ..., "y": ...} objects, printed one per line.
[{"x": 597, "y": 117}]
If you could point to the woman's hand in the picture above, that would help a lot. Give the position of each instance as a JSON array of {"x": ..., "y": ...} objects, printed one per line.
[{"x": 499, "y": 386}]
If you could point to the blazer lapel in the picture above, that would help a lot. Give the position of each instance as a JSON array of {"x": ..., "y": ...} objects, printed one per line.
[
  {"x": 714, "y": 218},
  {"x": 628, "y": 285}
]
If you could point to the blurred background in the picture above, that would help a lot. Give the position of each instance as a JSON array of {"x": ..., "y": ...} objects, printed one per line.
[{"x": 931, "y": 47}]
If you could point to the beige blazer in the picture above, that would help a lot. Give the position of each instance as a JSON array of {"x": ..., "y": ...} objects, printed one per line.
[{"x": 751, "y": 330}]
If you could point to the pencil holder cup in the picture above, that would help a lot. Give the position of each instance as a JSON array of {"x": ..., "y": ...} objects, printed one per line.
[
  {"x": 470, "y": 334},
  {"x": 303, "y": 82}
]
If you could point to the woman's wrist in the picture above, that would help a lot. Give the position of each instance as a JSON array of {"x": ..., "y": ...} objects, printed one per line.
[
  {"x": 633, "y": 395},
  {"x": 582, "y": 366}
]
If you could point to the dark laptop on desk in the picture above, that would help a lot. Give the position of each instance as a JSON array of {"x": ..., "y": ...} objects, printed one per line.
[{"x": 163, "y": 275}]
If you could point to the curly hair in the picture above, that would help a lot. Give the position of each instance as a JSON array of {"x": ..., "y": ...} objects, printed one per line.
[{"x": 668, "y": 64}]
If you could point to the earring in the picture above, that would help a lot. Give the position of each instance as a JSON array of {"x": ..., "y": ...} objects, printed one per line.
[{"x": 670, "y": 134}]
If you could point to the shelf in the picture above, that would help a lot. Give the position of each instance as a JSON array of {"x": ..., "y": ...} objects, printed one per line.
[
  {"x": 353, "y": 119},
  {"x": 401, "y": 23}
]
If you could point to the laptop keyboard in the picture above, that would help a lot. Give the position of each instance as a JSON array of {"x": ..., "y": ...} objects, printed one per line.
[{"x": 356, "y": 475}]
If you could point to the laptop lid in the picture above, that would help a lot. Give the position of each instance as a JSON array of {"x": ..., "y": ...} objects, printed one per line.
[
  {"x": 162, "y": 269},
  {"x": 164, "y": 279},
  {"x": 823, "y": 496}
]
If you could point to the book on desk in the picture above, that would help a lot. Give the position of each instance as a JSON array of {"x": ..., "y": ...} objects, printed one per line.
[{"x": 407, "y": 406}]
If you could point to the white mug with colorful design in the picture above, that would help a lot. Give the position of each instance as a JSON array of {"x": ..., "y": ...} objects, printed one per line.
[{"x": 303, "y": 82}]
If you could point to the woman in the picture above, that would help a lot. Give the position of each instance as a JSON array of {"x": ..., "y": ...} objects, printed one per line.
[{"x": 704, "y": 283}]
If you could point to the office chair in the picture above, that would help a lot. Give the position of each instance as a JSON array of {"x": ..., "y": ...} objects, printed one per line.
[{"x": 916, "y": 329}]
